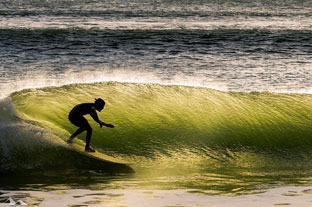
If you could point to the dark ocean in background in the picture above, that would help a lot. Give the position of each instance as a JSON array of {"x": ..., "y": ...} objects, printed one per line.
[
  {"x": 233, "y": 45},
  {"x": 208, "y": 96}
]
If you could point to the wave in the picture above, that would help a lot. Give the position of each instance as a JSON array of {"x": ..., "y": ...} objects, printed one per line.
[
  {"x": 93, "y": 43},
  {"x": 159, "y": 9},
  {"x": 155, "y": 40},
  {"x": 149, "y": 13},
  {"x": 27, "y": 148},
  {"x": 161, "y": 126},
  {"x": 219, "y": 33}
]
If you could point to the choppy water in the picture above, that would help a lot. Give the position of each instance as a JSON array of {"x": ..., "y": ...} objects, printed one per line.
[
  {"x": 235, "y": 45},
  {"x": 157, "y": 62}
]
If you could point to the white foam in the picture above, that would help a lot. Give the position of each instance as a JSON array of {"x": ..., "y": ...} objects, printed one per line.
[
  {"x": 39, "y": 80},
  {"x": 125, "y": 75}
]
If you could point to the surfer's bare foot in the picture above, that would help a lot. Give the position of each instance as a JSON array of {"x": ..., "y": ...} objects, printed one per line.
[
  {"x": 69, "y": 141},
  {"x": 89, "y": 149}
]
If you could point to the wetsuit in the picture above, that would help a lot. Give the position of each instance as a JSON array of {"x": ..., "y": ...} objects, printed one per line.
[{"x": 76, "y": 115}]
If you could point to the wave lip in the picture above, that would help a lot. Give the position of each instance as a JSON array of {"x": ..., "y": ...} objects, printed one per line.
[{"x": 26, "y": 147}]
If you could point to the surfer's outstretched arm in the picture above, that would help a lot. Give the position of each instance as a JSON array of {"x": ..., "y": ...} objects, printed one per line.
[
  {"x": 96, "y": 118},
  {"x": 108, "y": 125}
]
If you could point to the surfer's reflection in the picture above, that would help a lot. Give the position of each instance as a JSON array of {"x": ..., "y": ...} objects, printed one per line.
[{"x": 76, "y": 117}]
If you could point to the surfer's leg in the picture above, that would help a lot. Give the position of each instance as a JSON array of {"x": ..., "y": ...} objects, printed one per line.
[
  {"x": 79, "y": 131},
  {"x": 88, "y": 139},
  {"x": 80, "y": 122}
]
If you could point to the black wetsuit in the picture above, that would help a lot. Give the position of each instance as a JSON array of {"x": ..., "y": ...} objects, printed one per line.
[{"x": 76, "y": 115}]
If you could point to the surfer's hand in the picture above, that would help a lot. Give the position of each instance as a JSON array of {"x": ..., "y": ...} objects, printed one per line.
[
  {"x": 101, "y": 124},
  {"x": 110, "y": 125}
]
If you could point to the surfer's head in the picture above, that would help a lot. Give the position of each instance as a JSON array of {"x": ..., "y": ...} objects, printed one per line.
[{"x": 99, "y": 104}]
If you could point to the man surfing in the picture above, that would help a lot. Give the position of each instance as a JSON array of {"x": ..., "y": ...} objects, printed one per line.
[{"x": 76, "y": 117}]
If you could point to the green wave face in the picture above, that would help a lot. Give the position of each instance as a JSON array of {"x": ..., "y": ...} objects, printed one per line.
[{"x": 182, "y": 127}]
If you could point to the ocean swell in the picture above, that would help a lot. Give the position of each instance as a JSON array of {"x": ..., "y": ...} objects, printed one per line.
[{"x": 171, "y": 125}]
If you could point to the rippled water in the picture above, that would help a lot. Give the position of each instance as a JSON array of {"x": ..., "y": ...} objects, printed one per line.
[{"x": 232, "y": 45}]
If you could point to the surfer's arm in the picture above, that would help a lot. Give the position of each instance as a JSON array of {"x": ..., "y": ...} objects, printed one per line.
[
  {"x": 96, "y": 118},
  {"x": 94, "y": 115},
  {"x": 107, "y": 125}
]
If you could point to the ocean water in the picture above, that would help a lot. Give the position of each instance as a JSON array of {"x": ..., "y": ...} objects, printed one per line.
[{"x": 210, "y": 101}]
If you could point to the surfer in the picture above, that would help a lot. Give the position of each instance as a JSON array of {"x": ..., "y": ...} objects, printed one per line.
[{"x": 76, "y": 117}]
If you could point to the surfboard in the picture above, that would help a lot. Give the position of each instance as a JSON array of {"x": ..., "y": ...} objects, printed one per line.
[{"x": 96, "y": 155}]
